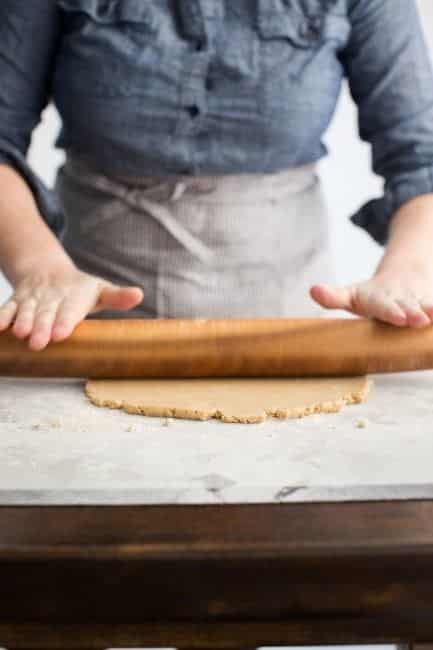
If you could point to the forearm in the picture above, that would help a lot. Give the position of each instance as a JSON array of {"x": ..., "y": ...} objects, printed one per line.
[
  {"x": 411, "y": 237},
  {"x": 26, "y": 242}
]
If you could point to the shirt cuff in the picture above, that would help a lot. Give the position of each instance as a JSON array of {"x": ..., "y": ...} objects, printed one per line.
[
  {"x": 46, "y": 200},
  {"x": 375, "y": 216}
]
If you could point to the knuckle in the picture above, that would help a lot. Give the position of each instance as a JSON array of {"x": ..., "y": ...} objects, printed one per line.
[
  {"x": 27, "y": 308},
  {"x": 45, "y": 314},
  {"x": 25, "y": 314},
  {"x": 20, "y": 295},
  {"x": 409, "y": 295},
  {"x": 64, "y": 321},
  {"x": 31, "y": 302}
]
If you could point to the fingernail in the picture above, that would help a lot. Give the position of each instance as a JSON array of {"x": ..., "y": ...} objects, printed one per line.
[
  {"x": 20, "y": 334},
  {"x": 38, "y": 344},
  {"x": 60, "y": 332}
]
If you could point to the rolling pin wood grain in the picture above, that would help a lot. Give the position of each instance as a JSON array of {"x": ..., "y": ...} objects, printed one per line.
[{"x": 222, "y": 348}]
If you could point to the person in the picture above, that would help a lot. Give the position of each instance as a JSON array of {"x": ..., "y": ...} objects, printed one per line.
[{"x": 192, "y": 129}]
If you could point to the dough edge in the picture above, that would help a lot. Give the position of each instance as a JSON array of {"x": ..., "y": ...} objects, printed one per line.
[{"x": 330, "y": 406}]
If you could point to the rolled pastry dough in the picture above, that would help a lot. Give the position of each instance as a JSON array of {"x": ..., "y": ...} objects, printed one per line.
[{"x": 231, "y": 400}]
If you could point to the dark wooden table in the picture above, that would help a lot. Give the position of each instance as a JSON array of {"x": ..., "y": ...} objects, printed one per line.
[{"x": 216, "y": 576}]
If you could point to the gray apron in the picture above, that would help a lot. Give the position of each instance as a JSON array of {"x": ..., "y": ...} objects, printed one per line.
[{"x": 231, "y": 246}]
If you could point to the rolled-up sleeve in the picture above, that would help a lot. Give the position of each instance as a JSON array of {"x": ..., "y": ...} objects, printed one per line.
[
  {"x": 29, "y": 33},
  {"x": 391, "y": 79}
]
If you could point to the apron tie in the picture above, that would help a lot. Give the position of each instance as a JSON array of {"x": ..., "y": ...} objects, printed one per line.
[
  {"x": 160, "y": 213},
  {"x": 136, "y": 199}
]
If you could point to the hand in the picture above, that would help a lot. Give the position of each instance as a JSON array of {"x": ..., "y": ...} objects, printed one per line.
[
  {"x": 402, "y": 297},
  {"x": 47, "y": 305}
]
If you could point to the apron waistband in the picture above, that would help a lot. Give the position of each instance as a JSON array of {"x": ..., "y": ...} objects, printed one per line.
[{"x": 225, "y": 188}]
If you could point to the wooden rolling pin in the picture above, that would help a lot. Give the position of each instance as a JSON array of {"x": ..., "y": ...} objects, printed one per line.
[{"x": 222, "y": 348}]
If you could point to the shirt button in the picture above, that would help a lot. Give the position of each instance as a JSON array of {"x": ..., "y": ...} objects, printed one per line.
[
  {"x": 311, "y": 30},
  {"x": 193, "y": 110}
]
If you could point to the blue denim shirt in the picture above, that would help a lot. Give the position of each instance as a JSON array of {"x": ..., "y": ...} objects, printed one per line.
[{"x": 218, "y": 86}]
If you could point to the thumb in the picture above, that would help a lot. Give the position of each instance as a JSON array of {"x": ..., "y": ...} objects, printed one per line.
[
  {"x": 121, "y": 298},
  {"x": 333, "y": 298}
]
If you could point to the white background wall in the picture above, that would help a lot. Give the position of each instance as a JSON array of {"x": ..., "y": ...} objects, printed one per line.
[{"x": 346, "y": 172}]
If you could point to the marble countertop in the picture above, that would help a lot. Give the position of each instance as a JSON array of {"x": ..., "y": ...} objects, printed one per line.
[{"x": 57, "y": 448}]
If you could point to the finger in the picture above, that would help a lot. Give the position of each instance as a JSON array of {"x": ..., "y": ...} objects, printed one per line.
[
  {"x": 427, "y": 307},
  {"x": 333, "y": 298},
  {"x": 415, "y": 315},
  {"x": 7, "y": 314},
  {"x": 121, "y": 298},
  {"x": 24, "y": 318},
  {"x": 382, "y": 307},
  {"x": 70, "y": 313},
  {"x": 43, "y": 325}
]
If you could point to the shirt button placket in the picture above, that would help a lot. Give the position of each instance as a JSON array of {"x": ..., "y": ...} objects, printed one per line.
[{"x": 193, "y": 94}]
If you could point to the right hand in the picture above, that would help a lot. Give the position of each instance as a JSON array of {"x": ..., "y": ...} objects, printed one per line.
[{"x": 48, "y": 304}]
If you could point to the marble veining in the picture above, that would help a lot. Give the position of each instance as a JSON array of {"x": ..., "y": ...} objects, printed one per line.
[{"x": 55, "y": 447}]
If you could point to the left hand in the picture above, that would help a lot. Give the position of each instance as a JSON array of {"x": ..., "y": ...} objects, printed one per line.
[{"x": 401, "y": 297}]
